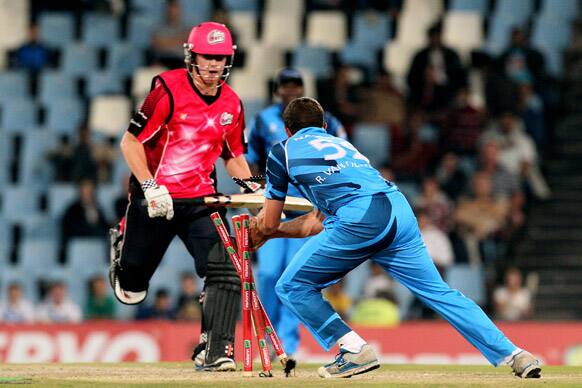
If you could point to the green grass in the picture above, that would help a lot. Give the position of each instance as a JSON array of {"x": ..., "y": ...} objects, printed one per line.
[{"x": 182, "y": 375}]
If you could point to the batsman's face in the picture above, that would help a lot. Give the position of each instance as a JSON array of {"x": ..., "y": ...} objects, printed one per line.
[{"x": 210, "y": 67}]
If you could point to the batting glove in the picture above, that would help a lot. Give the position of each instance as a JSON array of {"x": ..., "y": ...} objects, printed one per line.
[{"x": 158, "y": 198}]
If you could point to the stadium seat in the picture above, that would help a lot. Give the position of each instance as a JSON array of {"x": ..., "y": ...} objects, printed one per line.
[
  {"x": 104, "y": 82},
  {"x": 56, "y": 84},
  {"x": 434, "y": 8},
  {"x": 361, "y": 55},
  {"x": 57, "y": 29},
  {"x": 14, "y": 21},
  {"x": 33, "y": 167},
  {"x": 562, "y": 9},
  {"x": 109, "y": 115},
  {"x": 36, "y": 255},
  {"x": 411, "y": 31},
  {"x": 60, "y": 196},
  {"x": 252, "y": 107},
  {"x": 100, "y": 30},
  {"x": 13, "y": 84},
  {"x": 249, "y": 85},
  {"x": 285, "y": 38},
  {"x": 372, "y": 29},
  {"x": 140, "y": 29},
  {"x": 397, "y": 58},
  {"x": 142, "y": 80},
  {"x": 14, "y": 274},
  {"x": 195, "y": 12},
  {"x": 292, "y": 8},
  {"x": 463, "y": 31},
  {"x": 479, "y": 6},
  {"x": 79, "y": 59},
  {"x": 372, "y": 140},
  {"x": 106, "y": 196},
  {"x": 550, "y": 32},
  {"x": 469, "y": 279},
  {"x": 65, "y": 115},
  {"x": 326, "y": 28},
  {"x": 267, "y": 60},
  {"x": 124, "y": 59},
  {"x": 19, "y": 114},
  {"x": 316, "y": 59},
  {"x": 518, "y": 11},
  {"x": 244, "y": 26},
  {"x": 41, "y": 226},
  {"x": 554, "y": 59},
  {"x": 166, "y": 278},
  {"x": 178, "y": 258},
  {"x": 241, "y": 5},
  {"x": 87, "y": 256}
]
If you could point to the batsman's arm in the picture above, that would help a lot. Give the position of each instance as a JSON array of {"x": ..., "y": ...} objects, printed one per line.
[
  {"x": 237, "y": 167},
  {"x": 134, "y": 153}
]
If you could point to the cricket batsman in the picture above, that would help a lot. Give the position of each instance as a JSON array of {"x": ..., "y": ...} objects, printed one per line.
[
  {"x": 190, "y": 118},
  {"x": 267, "y": 130},
  {"x": 366, "y": 218}
]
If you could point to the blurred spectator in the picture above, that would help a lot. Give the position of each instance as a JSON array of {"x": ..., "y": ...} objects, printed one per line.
[
  {"x": 382, "y": 102},
  {"x": 84, "y": 163},
  {"x": 161, "y": 308},
  {"x": 520, "y": 61},
  {"x": 338, "y": 299},
  {"x": 437, "y": 243},
  {"x": 339, "y": 96},
  {"x": 518, "y": 152},
  {"x": 377, "y": 283},
  {"x": 387, "y": 172},
  {"x": 61, "y": 159},
  {"x": 436, "y": 73},
  {"x": 505, "y": 184},
  {"x": 531, "y": 109},
  {"x": 16, "y": 309},
  {"x": 513, "y": 302},
  {"x": 414, "y": 150},
  {"x": 465, "y": 124},
  {"x": 58, "y": 308},
  {"x": 188, "y": 307},
  {"x": 376, "y": 312},
  {"x": 478, "y": 218},
  {"x": 84, "y": 217},
  {"x": 435, "y": 204},
  {"x": 105, "y": 153},
  {"x": 32, "y": 55},
  {"x": 100, "y": 305},
  {"x": 450, "y": 176},
  {"x": 167, "y": 39}
]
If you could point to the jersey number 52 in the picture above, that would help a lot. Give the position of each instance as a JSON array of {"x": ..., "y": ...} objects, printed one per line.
[{"x": 341, "y": 149}]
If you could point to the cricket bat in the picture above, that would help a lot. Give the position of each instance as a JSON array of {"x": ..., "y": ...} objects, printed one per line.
[{"x": 249, "y": 201}]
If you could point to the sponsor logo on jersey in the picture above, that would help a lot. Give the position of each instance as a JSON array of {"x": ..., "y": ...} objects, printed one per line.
[
  {"x": 215, "y": 37},
  {"x": 225, "y": 118}
]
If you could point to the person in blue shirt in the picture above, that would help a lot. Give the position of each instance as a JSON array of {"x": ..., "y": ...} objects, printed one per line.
[
  {"x": 268, "y": 129},
  {"x": 365, "y": 218}
]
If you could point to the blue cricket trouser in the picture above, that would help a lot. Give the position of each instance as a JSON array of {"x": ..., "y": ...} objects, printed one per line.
[
  {"x": 274, "y": 257},
  {"x": 383, "y": 229}
]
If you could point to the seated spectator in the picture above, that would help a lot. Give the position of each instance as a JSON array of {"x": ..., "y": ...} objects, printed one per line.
[
  {"x": 520, "y": 61},
  {"x": 58, "y": 308},
  {"x": 505, "y": 184},
  {"x": 382, "y": 102},
  {"x": 100, "y": 305},
  {"x": 16, "y": 309},
  {"x": 61, "y": 159},
  {"x": 531, "y": 110},
  {"x": 168, "y": 38},
  {"x": 339, "y": 96},
  {"x": 437, "y": 242},
  {"x": 376, "y": 312},
  {"x": 161, "y": 308},
  {"x": 480, "y": 217},
  {"x": 378, "y": 282},
  {"x": 105, "y": 153},
  {"x": 518, "y": 152},
  {"x": 435, "y": 204},
  {"x": 188, "y": 307},
  {"x": 450, "y": 176},
  {"x": 83, "y": 218},
  {"x": 387, "y": 172},
  {"x": 513, "y": 302},
  {"x": 338, "y": 299},
  {"x": 465, "y": 124},
  {"x": 32, "y": 55}
]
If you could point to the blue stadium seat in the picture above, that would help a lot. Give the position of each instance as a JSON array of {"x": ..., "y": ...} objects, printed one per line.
[
  {"x": 19, "y": 114},
  {"x": 13, "y": 84},
  {"x": 195, "y": 12},
  {"x": 241, "y": 5},
  {"x": 360, "y": 55},
  {"x": 60, "y": 196},
  {"x": 469, "y": 5},
  {"x": 99, "y": 30},
  {"x": 87, "y": 256},
  {"x": 19, "y": 203},
  {"x": 104, "y": 82},
  {"x": 106, "y": 196},
  {"x": 36, "y": 255},
  {"x": 40, "y": 226},
  {"x": 499, "y": 34},
  {"x": 225, "y": 183},
  {"x": 56, "y": 84},
  {"x": 315, "y": 59},
  {"x": 57, "y": 29},
  {"x": 140, "y": 30},
  {"x": 178, "y": 258},
  {"x": 518, "y": 11},
  {"x": 14, "y": 274},
  {"x": 151, "y": 8},
  {"x": 373, "y": 141},
  {"x": 371, "y": 29},
  {"x": 252, "y": 107},
  {"x": 79, "y": 59},
  {"x": 561, "y": 9},
  {"x": 469, "y": 279},
  {"x": 124, "y": 59},
  {"x": 65, "y": 115},
  {"x": 554, "y": 59},
  {"x": 33, "y": 166},
  {"x": 168, "y": 278},
  {"x": 550, "y": 32}
]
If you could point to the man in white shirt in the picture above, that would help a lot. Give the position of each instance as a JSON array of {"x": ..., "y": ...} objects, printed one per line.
[
  {"x": 16, "y": 309},
  {"x": 58, "y": 307}
]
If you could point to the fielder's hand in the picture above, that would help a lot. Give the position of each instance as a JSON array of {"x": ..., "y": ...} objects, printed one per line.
[
  {"x": 159, "y": 201},
  {"x": 256, "y": 237}
]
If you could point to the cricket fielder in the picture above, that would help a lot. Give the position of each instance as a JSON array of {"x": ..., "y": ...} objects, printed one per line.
[
  {"x": 366, "y": 218},
  {"x": 267, "y": 130}
]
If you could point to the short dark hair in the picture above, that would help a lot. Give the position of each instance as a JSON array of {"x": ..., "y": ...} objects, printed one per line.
[{"x": 301, "y": 113}]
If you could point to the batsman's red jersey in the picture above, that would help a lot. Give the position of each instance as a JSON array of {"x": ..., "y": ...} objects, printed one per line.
[{"x": 184, "y": 132}]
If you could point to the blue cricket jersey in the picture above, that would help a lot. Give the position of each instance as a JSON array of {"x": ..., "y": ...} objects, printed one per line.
[{"x": 327, "y": 170}]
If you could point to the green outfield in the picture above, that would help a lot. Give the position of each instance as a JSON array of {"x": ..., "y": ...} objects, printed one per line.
[{"x": 182, "y": 375}]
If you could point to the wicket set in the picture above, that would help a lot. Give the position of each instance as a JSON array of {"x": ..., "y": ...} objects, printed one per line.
[{"x": 255, "y": 319}]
